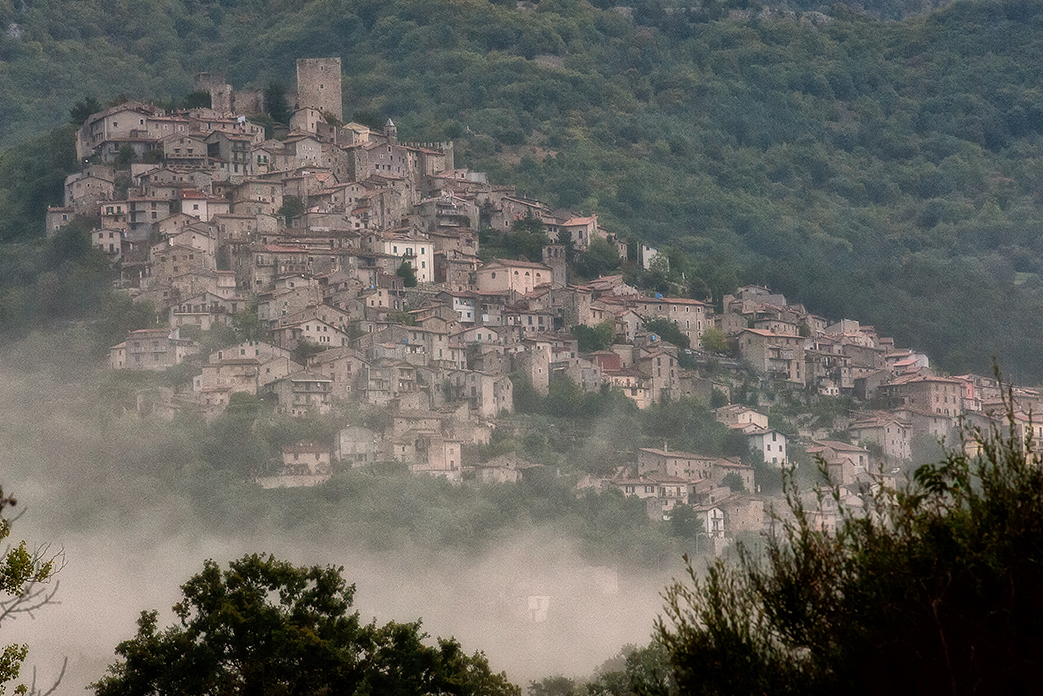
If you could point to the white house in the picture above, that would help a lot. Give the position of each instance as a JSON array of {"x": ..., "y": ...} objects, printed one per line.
[{"x": 770, "y": 443}]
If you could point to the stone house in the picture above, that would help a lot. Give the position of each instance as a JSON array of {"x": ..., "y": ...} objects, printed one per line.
[
  {"x": 151, "y": 349},
  {"x": 301, "y": 393},
  {"x": 771, "y": 444},
  {"x": 257, "y": 197},
  {"x": 230, "y": 153},
  {"x": 343, "y": 366},
  {"x": 57, "y": 218},
  {"x": 278, "y": 305},
  {"x": 942, "y": 395},
  {"x": 437, "y": 455},
  {"x": 356, "y": 446},
  {"x": 204, "y": 310},
  {"x": 506, "y": 468},
  {"x": 123, "y": 121},
  {"x": 677, "y": 464},
  {"x": 743, "y": 514},
  {"x": 408, "y": 247},
  {"x": 894, "y": 437},
  {"x": 184, "y": 150},
  {"x": 691, "y": 316},
  {"x": 109, "y": 241},
  {"x": 847, "y": 463},
  {"x": 520, "y": 277},
  {"x": 774, "y": 356},
  {"x": 581, "y": 230},
  {"x": 660, "y": 363},
  {"x": 319, "y": 333},
  {"x": 712, "y": 519},
  {"x": 84, "y": 193},
  {"x": 634, "y": 384},
  {"x": 722, "y": 467},
  {"x": 741, "y": 417}
]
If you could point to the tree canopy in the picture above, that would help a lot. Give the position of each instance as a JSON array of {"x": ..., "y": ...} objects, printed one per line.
[
  {"x": 935, "y": 587},
  {"x": 265, "y": 626}
]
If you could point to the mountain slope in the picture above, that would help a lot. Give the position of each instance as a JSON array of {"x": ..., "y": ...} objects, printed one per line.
[{"x": 885, "y": 171}]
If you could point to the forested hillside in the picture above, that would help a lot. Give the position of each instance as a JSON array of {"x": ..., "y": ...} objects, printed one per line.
[{"x": 884, "y": 171}]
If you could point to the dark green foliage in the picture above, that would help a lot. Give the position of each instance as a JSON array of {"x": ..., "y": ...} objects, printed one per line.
[
  {"x": 940, "y": 581},
  {"x": 684, "y": 522},
  {"x": 598, "y": 338},
  {"x": 525, "y": 239},
  {"x": 276, "y": 103},
  {"x": 232, "y": 444},
  {"x": 82, "y": 110},
  {"x": 264, "y": 626},
  {"x": 526, "y": 398},
  {"x": 64, "y": 279},
  {"x": 552, "y": 686},
  {"x": 292, "y": 206},
  {"x": 855, "y": 165},
  {"x": 305, "y": 350},
  {"x": 407, "y": 274},
  {"x": 734, "y": 482},
  {"x": 599, "y": 259},
  {"x": 196, "y": 100},
  {"x": 372, "y": 119},
  {"x": 248, "y": 326},
  {"x": 668, "y": 331},
  {"x": 567, "y": 400},
  {"x": 715, "y": 341},
  {"x": 32, "y": 177}
]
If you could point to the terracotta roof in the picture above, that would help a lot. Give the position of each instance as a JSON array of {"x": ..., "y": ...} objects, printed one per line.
[
  {"x": 577, "y": 221},
  {"x": 519, "y": 264},
  {"x": 675, "y": 454}
]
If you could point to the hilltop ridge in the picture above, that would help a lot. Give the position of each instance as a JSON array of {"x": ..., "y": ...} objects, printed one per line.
[{"x": 857, "y": 165}]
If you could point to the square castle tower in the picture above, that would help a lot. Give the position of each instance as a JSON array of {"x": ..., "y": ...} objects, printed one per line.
[{"x": 319, "y": 86}]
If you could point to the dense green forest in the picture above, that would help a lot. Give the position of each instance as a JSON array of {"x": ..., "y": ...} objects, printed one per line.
[{"x": 879, "y": 170}]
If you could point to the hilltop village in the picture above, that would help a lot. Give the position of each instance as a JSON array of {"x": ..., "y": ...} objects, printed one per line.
[{"x": 355, "y": 258}]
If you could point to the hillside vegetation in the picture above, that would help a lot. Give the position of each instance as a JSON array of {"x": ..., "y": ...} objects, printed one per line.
[{"x": 883, "y": 171}]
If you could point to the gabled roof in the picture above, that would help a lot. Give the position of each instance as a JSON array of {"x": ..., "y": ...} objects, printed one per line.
[
  {"x": 677, "y": 454},
  {"x": 516, "y": 264}
]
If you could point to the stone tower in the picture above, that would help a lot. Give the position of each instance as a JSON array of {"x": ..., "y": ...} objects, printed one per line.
[
  {"x": 319, "y": 86},
  {"x": 554, "y": 256},
  {"x": 220, "y": 91}
]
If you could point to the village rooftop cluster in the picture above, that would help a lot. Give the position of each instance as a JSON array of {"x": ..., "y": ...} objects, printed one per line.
[{"x": 196, "y": 208}]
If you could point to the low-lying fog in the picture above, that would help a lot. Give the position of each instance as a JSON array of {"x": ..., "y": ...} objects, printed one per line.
[
  {"x": 532, "y": 609},
  {"x": 528, "y": 602}
]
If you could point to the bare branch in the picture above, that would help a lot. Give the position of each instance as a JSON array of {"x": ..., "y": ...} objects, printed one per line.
[
  {"x": 61, "y": 675},
  {"x": 36, "y": 595}
]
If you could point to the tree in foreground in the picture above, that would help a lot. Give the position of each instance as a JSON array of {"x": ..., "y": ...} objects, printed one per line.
[
  {"x": 632, "y": 672},
  {"x": 933, "y": 588},
  {"x": 25, "y": 586},
  {"x": 264, "y": 626}
]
